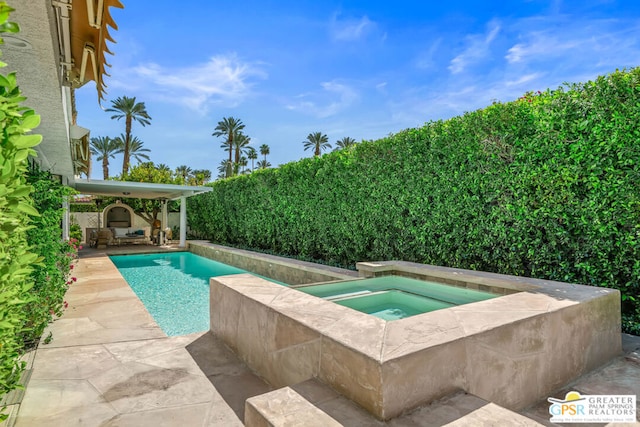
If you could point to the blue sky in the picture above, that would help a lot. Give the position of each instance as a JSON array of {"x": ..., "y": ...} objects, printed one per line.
[{"x": 363, "y": 69}]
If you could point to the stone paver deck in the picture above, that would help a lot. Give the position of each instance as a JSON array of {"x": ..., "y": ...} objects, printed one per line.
[{"x": 109, "y": 364}]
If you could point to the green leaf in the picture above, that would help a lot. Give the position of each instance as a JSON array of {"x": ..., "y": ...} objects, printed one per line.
[
  {"x": 22, "y": 155},
  {"x": 22, "y": 191},
  {"x": 27, "y": 141},
  {"x": 31, "y": 121},
  {"x": 13, "y": 82},
  {"x": 28, "y": 209}
]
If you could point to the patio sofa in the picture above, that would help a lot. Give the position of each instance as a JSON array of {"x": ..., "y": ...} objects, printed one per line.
[{"x": 126, "y": 235}]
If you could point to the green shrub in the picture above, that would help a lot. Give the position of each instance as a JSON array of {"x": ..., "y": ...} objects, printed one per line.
[
  {"x": 545, "y": 186},
  {"x": 83, "y": 207},
  {"x": 16, "y": 258},
  {"x": 75, "y": 232},
  {"x": 52, "y": 275}
]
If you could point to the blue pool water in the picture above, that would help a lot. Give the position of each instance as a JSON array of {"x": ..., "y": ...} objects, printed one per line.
[
  {"x": 395, "y": 297},
  {"x": 174, "y": 287}
]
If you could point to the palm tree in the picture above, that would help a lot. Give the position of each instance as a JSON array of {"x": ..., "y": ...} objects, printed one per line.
[
  {"x": 223, "y": 169},
  {"x": 229, "y": 127},
  {"x": 243, "y": 163},
  {"x": 240, "y": 142},
  {"x": 104, "y": 148},
  {"x": 183, "y": 172},
  {"x": 163, "y": 168},
  {"x": 264, "y": 150},
  {"x": 318, "y": 141},
  {"x": 263, "y": 164},
  {"x": 130, "y": 110},
  {"x": 136, "y": 149},
  {"x": 200, "y": 177},
  {"x": 345, "y": 143},
  {"x": 252, "y": 155}
]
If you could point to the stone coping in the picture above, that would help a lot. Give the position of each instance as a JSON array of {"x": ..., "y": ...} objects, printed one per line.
[
  {"x": 286, "y": 270},
  {"x": 481, "y": 280}
]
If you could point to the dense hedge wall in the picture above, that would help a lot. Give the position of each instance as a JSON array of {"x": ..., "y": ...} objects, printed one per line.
[
  {"x": 52, "y": 275},
  {"x": 34, "y": 261},
  {"x": 16, "y": 258},
  {"x": 546, "y": 186}
]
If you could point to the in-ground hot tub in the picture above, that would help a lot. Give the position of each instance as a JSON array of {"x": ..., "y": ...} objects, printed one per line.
[{"x": 513, "y": 350}]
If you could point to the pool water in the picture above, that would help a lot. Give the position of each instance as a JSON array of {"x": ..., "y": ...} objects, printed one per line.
[
  {"x": 395, "y": 297},
  {"x": 393, "y": 305},
  {"x": 174, "y": 287}
]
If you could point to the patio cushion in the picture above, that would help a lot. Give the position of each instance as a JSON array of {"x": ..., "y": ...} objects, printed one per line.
[{"x": 120, "y": 231}]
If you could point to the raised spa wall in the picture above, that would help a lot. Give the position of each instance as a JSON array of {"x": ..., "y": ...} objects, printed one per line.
[
  {"x": 512, "y": 350},
  {"x": 285, "y": 270}
]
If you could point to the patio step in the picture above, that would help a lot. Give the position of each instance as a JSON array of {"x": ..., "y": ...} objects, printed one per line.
[
  {"x": 284, "y": 407},
  {"x": 312, "y": 403}
]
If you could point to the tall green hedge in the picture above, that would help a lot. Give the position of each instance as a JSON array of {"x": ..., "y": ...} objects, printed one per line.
[
  {"x": 16, "y": 258},
  {"x": 35, "y": 263},
  {"x": 52, "y": 275},
  {"x": 546, "y": 186}
]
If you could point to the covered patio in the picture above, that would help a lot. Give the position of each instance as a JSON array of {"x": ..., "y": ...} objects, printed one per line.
[{"x": 143, "y": 190}]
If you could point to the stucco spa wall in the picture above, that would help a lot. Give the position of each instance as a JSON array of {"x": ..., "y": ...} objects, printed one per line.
[
  {"x": 512, "y": 350},
  {"x": 285, "y": 270}
]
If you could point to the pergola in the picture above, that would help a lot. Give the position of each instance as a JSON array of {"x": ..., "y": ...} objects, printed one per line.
[{"x": 144, "y": 190}]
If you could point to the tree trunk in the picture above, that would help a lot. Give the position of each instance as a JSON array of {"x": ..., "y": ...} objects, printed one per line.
[
  {"x": 149, "y": 217},
  {"x": 127, "y": 140},
  {"x": 105, "y": 168}
]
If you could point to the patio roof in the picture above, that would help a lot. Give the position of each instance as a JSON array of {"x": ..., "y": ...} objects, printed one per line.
[{"x": 140, "y": 190}]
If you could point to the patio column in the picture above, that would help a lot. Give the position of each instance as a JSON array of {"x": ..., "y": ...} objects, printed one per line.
[
  {"x": 65, "y": 218},
  {"x": 165, "y": 221},
  {"x": 183, "y": 221}
]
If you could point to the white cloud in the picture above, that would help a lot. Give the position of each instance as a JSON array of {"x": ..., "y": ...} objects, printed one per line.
[
  {"x": 477, "y": 48},
  {"x": 516, "y": 53},
  {"x": 540, "y": 45},
  {"x": 564, "y": 43},
  {"x": 223, "y": 79},
  {"x": 350, "y": 30},
  {"x": 335, "y": 98},
  {"x": 426, "y": 59},
  {"x": 527, "y": 78}
]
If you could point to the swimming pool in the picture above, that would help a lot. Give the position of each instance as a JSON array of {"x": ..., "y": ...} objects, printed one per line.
[{"x": 174, "y": 287}]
